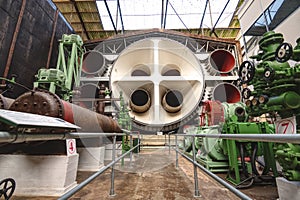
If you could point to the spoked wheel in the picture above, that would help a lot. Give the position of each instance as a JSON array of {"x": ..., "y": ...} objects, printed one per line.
[
  {"x": 7, "y": 188},
  {"x": 284, "y": 52},
  {"x": 247, "y": 71}
]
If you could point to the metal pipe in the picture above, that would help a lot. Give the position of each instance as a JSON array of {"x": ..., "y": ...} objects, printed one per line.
[
  {"x": 179, "y": 17},
  {"x": 111, "y": 19},
  {"x": 6, "y": 137},
  {"x": 80, "y": 19},
  {"x": 14, "y": 40},
  {"x": 131, "y": 144},
  {"x": 277, "y": 138},
  {"x": 112, "y": 180},
  {"x": 176, "y": 146},
  {"x": 162, "y": 14},
  {"x": 169, "y": 144},
  {"x": 197, "y": 193},
  {"x": 140, "y": 101},
  {"x": 200, "y": 28},
  {"x": 121, "y": 17},
  {"x": 166, "y": 11},
  {"x": 49, "y": 104},
  {"x": 95, "y": 175},
  {"x": 213, "y": 29},
  {"x": 172, "y": 101},
  {"x": 220, "y": 180}
]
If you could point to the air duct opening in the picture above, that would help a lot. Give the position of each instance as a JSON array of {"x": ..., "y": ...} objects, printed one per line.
[
  {"x": 93, "y": 62},
  {"x": 222, "y": 61},
  {"x": 140, "y": 101},
  {"x": 226, "y": 92},
  {"x": 172, "y": 101}
]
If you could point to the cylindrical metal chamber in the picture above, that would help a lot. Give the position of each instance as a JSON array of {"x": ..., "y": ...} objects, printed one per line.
[
  {"x": 155, "y": 75},
  {"x": 49, "y": 104}
]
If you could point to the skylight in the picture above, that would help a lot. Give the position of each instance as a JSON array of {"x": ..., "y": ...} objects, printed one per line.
[{"x": 146, "y": 14}]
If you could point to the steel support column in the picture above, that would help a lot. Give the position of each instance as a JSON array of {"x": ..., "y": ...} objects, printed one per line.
[
  {"x": 14, "y": 40},
  {"x": 52, "y": 38}
]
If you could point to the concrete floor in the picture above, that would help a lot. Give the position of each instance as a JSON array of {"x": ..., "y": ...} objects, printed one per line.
[{"x": 152, "y": 175}]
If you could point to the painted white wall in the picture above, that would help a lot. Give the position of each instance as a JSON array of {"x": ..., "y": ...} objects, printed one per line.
[{"x": 251, "y": 10}]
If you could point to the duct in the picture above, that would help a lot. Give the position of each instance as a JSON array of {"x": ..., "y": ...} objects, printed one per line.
[
  {"x": 93, "y": 63},
  {"x": 220, "y": 61},
  {"x": 226, "y": 92},
  {"x": 49, "y": 104},
  {"x": 140, "y": 101},
  {"x": 172, "y": 101}
]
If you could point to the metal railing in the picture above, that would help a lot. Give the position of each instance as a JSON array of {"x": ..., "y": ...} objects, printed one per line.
[
  {"x": 277, "y": 138},
  {"x": 103, "y": 169}
]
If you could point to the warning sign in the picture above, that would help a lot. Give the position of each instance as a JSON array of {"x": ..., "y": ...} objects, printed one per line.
[
  {"x": 286, "y": 126},
  {"x": 71, "y": 146}
]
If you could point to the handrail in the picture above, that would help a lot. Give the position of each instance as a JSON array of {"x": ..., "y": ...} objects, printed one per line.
[
  {"x": 6, "y": 137},
  {"x": 278, "y": 138},
  {"x": 95, "y": 175},
  {"x": 220, "y": 180}
]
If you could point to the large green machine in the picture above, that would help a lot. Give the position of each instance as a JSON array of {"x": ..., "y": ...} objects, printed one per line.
[
  {"x": 238, "y": 158},
  {"x": 271, "y": 94},
  {"x": 276, "y": 93}
]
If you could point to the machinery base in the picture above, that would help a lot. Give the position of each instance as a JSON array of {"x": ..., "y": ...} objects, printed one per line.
[
  {"x": 214, "y": 166},
  {"x": 40, "y": 175},
  {"x": 91, "y": 158},
  {"x": 288, "y": 190}
]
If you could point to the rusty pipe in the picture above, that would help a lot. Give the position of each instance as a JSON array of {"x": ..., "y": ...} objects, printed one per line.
[
  {"x": 48, "y": 104},
  {"x": 140, "y": 101},
  {"x": 172, "y": 101}
]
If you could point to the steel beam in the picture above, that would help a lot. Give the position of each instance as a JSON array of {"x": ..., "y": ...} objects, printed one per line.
[{"x": 14, "y": 40}]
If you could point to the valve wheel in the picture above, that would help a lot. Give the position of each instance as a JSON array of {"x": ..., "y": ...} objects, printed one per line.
[
  {"x": 246, "y": 93},
  {"x": 247, "y": 71},
  {"x": 284, "y": 52},
  {"x": 269, "y": 73},
  {"x": 7, "y": 188}
]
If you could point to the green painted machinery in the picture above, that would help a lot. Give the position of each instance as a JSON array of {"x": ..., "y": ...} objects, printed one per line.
[
  {"x": 60, "y": 80},
  {"x": 238, "y": 158},
  {"x": 275, "y": 79}
]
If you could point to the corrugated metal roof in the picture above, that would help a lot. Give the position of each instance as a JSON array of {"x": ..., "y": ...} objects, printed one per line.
[{"x": 83, "y": 16}]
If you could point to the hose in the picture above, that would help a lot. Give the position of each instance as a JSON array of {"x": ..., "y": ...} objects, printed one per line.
[
  {"x": 254, "y": 146},
  {"x": 242, "y": 154}
]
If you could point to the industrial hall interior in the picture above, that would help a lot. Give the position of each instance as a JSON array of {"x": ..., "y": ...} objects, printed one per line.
[{"x": 149, "y": 99}]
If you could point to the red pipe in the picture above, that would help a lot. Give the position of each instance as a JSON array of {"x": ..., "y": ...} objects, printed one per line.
[{"x": 49, "y": 104}]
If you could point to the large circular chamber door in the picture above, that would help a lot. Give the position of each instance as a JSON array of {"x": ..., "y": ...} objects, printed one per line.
[{"x": 162, "y": 83}]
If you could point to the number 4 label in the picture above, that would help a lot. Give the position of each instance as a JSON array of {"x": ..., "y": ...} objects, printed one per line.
[
  {"x": 71, "y": 146},
  {"x": 286, "y": 126}
]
